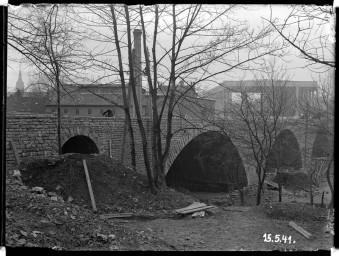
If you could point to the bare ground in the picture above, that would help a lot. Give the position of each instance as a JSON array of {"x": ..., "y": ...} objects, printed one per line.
[{"x": 36, "y": 220}]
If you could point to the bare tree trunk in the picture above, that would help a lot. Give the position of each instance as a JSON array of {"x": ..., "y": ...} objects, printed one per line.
[
  {"x": 126, "y": 99},
  {"x": 329, "y": 181},
  {"x": 59, "y": 119},
  {"x": 259, "y": 188},
  {"x": 155, "y": 131},
  {"x": 136, "y": 105}
]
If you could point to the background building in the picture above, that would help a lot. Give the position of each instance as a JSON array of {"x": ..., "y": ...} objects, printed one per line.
[{"x": 297, "y": 92}]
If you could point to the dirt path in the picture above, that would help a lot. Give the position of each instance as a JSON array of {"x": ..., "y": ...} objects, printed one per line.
[{"x": 232, "y": 230}]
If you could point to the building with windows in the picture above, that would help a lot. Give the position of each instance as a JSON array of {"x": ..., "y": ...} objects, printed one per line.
[
  {"x": 107, "y": 100},
  {"x": 296, "y": 93}
]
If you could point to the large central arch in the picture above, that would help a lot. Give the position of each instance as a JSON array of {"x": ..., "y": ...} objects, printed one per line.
[{"x": 209, "y": 162}]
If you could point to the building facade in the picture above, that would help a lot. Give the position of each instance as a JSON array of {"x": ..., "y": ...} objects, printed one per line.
[{"x": 297, "y": 94}]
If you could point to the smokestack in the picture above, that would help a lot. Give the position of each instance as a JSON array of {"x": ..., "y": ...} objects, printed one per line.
[{"x": 137, "y": 58}]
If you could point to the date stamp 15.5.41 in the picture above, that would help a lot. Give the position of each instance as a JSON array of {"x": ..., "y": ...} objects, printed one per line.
[{"x": 269, "y": 238}]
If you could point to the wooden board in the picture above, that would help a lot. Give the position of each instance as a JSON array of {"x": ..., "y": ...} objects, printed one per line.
[
  {"x": 272, "y": 184},
  {"x": 198, "y": 209},
  {"x": 300, "y": 230},
  {"x": 192, "y": 206},
  {"x": 116, "y": 215},
  {"x": 16, "y": 155},
  {"x": 89, "y": 186}
]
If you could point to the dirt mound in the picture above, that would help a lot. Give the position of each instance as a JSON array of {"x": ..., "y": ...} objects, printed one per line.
[
  {"x": 292, "y": 211},
  {"x": 33, "y": 219},
  {"x": 115, "y": 188}
]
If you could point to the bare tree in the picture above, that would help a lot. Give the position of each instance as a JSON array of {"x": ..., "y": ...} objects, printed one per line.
[
  {"x": 257, "y": 114},
  {"x": 44, "y": 37},
  {"x": 318, "y": 113},
  {"x": 191, "y": 46},
  {"x": 308, "y": 29}
]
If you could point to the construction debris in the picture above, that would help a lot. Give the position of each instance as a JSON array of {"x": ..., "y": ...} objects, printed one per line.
[
  {"x": 198, "y": 214},
  {"x": 195, "y": 207},
  {"x": 301, "y": 230}
]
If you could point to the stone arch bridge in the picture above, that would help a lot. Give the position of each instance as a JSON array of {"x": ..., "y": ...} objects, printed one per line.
[{"x": 36, "y": 135}]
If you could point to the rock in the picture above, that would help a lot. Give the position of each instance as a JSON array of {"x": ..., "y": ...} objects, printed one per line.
[
  {"x": 58, "y": 187},
  {"x": 23, "y": 233},
  {"x": 16, "y": 173},
  {"x": 51, "y": 232},
  {"x": 21, "y": 241},
  {"x": 113, "y": 247},
  {"x": 54, "y": 198},
  {"x": 70, "y": 199},
  {"x": 35, "y": 233},
  {"x": 38, "y": 189},
  {"x": 111, "y": 236},
  {"x": 102, "y": 236},
  {"x": 52, "y": 194}
]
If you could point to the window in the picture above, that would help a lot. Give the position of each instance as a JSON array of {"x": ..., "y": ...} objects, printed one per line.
[
  {"x": 77, "y": 111},
  {"x": 53, "y": 110},
  {"x": 65, "y": 110},
  {"x": 90, "y": 111},
  {"x": 101, "y": 111}
]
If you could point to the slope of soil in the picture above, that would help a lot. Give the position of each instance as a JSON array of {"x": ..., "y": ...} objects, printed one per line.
[{"x": 115, "y": 188}]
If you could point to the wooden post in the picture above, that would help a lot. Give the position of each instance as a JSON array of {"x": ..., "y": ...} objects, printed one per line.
[
  {"x": 89, "y": 186},
  {"x": 110, "y": 148},
  {"x": 301, "y": 230},
  {"x": 15, "y": 153}
]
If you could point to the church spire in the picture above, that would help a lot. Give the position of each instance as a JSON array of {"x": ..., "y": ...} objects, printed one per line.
[{"x": 20, "y": 84}]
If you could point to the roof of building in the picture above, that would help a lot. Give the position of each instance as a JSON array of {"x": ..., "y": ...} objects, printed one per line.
[
  {"x": 254, "y": 83},
  {"x": 86, "y": 99}
]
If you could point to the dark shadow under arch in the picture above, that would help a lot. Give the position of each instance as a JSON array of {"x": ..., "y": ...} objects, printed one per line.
[
  {"x": 210, "y": 162},
  {"x": 80, "y": 144},
  {"x": 285, "y": 152},
  {"x": 321, "y": 145}
]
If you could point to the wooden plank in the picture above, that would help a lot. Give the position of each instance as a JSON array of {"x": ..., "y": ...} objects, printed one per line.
[
  {"x": 198, "y": 209},
  {"x": 272, "y": 184},
  {"x": 300, "y": 230},
  {"x": 89, "y": 186},
  {"x": 116, "y": 215},
  {"x": 16, "y": 155},
  {"x": 192, "y": 206}
]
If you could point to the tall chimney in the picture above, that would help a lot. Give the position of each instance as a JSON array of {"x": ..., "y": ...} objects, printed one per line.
[{"x": 137, "y": 64}]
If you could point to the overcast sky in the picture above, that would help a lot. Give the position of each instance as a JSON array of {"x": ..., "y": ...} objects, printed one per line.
[{"x": 253, "y": 16}]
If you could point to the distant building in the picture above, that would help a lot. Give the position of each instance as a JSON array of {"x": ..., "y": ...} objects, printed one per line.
[
  {"x": 106, "y": 99},
  {"x": 20, "y": 84},
  {"x": 228, "y": 92},
  {"x": 25, "y": 102}
]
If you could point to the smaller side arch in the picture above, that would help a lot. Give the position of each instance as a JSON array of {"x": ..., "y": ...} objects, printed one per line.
[
  {"x": 285, "y": 152},
  {"x": 80, "y": 144},
  {"x": 70, "y": 132}
]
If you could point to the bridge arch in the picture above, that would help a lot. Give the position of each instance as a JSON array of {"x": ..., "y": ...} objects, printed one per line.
[
  {"x": 207, "y": 162},
  {"x": 80, "y": 144},
  {"x": 285, "y": 152},
  {"x": 79, "y": 132}
]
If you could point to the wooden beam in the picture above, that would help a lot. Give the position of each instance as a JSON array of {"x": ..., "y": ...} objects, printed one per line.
[
  {"x": 301, "y": 230},
  {"x": 16, "y": 155},
  {"x": 116, "y": 215},
  {"x": 89, "y": 186}
]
